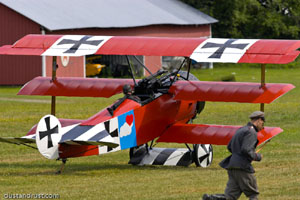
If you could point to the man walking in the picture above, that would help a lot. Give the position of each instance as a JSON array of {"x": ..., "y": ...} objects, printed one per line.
[{"x": 241, "y": 177}]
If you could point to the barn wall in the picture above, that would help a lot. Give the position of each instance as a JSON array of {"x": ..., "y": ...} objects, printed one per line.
[
  {"x": 16, "y": 70},
  {"x": 73, "y": 67}
]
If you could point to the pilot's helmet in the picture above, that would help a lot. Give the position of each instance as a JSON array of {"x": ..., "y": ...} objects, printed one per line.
[{"x": 127, "y": 89}]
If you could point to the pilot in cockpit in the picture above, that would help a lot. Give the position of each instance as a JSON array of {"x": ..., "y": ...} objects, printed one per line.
[{"x": 128, "y": 94}]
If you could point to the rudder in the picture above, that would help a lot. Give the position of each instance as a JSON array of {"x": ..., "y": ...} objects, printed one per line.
[{"x": 47, "y": 136}]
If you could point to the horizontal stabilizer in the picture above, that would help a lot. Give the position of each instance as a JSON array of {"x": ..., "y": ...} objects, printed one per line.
[
  {"x": 199, "y": 49},
  {"x": 76, "y": 87},
  {"x": 110, "y": 144},
  {"x": 241, "y": 92},
  {"x": 31, "y": 137},
  {"x": 20, "y": 140},
  {"x": 210, "y": 134}
]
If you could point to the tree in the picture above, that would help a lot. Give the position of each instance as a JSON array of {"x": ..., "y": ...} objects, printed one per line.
[{"x": 278, "y": 19}]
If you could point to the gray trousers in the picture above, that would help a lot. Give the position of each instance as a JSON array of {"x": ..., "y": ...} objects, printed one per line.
[{"x": 239, "y": 182}]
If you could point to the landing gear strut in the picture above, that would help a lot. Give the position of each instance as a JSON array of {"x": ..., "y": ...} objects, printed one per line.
[{"x": 64, "y": 160}]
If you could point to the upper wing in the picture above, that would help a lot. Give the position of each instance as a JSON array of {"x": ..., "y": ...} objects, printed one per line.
[
  {"x": 210, "y": 134},
  {"x": 199, "y": 49},
  {"x": 79, "y": 87},
  {"x": 229, "y": 91}
]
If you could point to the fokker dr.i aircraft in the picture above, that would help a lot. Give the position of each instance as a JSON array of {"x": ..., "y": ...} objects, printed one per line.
[{"x": 167, "y": 101}]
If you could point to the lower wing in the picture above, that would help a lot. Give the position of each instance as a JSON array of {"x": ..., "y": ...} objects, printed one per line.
[
  {"x": 210, "y": 134},
  {"x": 73, "y": 86}
]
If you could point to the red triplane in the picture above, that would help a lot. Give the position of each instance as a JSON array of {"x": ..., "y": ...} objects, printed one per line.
[{"x": 168, "y": 101}]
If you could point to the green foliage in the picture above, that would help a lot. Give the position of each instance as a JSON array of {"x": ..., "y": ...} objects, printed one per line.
[{"x": 276, "y": 19}]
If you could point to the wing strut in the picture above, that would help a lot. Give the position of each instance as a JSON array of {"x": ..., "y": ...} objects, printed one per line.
[
  {"x": 143, "y": 65},
  {"x": 189, "y": 63},
  {"x": 263, "y": 83},
  {"x": 53, "y": 98},
  {"x": 131, "y": 70},
  {"x": 187, "y": 76}
]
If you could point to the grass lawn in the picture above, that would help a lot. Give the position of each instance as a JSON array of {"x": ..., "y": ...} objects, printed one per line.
[{"x": 24, "y": 171}]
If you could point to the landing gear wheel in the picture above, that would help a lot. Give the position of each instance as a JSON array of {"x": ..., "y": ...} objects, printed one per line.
[
  {"x": 138, "y": 150},
  {"x": 132, "y": 151},
  {"x": 203, "y": 155}
]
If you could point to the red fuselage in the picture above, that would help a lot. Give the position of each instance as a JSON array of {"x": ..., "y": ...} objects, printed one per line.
[{"x": 151, "y": 120}]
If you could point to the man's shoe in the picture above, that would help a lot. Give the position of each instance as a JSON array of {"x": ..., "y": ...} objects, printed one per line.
[
  {"x": 213, "y": 197},
  {"x": 206, "y": 197}
]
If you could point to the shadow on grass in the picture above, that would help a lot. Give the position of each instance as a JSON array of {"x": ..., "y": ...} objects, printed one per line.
[{"x": 84, "y": 168}]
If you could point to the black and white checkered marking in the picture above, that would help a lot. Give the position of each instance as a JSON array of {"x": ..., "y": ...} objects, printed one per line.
[
  {"x": 202, "y": 155},
  {"x": 111, "y": 126},
  {"x": 87, "y": 135},
  {"x": 161, "y": 156},
  {"x": 221, "y": 50},
  {"x": 74, "y": 135},
  {"x": 76, "y": 45}
]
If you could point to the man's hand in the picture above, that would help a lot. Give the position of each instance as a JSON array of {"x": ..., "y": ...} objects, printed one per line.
[{"x": 258, "y": 157}]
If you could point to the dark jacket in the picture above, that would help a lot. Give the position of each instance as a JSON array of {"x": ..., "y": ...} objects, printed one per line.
[{"x": 242, "y": 146}]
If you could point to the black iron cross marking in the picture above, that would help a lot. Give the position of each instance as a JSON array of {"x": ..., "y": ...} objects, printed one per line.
[
  {"x": 48, "y": 132},
  {"x": 222, "y": 47},
  {"x": 77, "y": 43}
]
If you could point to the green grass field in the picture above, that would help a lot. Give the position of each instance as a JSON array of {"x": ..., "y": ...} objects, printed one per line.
[{"x": 24, "y": 171}]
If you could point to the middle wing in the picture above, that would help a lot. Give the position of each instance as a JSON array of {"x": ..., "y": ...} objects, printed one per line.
[
  {"x": 210, "y": 134},
  {"x": 79, "y": 87},
  {"x": 241, "y": 92}
]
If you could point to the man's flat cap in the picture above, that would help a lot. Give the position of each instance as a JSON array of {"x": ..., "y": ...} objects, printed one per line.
[{"x": 257, "y": 114}]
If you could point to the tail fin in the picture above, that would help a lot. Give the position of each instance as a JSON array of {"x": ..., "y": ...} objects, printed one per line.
[{"x": 47, "y": 136}]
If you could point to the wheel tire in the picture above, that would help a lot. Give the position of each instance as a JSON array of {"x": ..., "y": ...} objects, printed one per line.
[
  {"x": 132, "y": 151},
  {"x": 138, "y": 149},
  {"x": 203, "y": 155}
]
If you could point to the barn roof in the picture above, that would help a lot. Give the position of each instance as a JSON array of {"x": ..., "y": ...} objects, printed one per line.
[{"x": 78, "y": 14}]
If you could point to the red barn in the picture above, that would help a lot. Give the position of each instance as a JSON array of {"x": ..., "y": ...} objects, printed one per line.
[{"x": 169, "y": 18}]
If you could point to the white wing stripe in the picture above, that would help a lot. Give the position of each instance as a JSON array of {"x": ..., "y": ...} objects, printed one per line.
[
  {"x": 76, "y": 45},
  {"x": 222, "y": 50},
  {"x": 149, "y": 159},
  {"x": 175, "y": 157}
]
